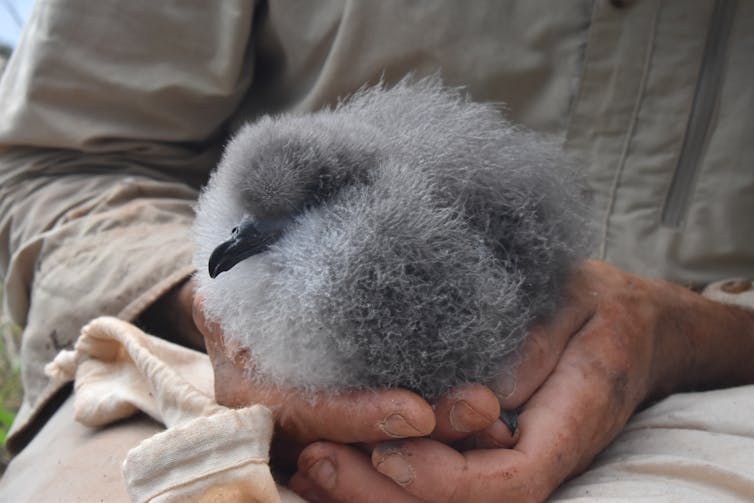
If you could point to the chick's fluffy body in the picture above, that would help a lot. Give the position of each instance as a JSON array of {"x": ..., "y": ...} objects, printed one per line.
[{"x": 425, "y": 234}]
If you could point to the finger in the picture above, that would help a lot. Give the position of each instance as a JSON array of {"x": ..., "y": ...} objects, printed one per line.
[
  {"x": 496, "y": 436},
  {"x": 575, "y": 414},
  {"x": 545, "y": 343},
  {"x": 309, "y": 490},
  {"x": 470, "y": 408},
  {"x": 344, "y": 474},
  {"x": 592, "y": 393},
  {"x": 465, "y": 410},
  {"x": 440, "y": 474},
  {"x": 372, "y": 416}
]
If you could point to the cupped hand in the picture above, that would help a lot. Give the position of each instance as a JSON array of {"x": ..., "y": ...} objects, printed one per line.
[
  {"x": 362, "y": 416},
  {"x": 618, "y": 341}
]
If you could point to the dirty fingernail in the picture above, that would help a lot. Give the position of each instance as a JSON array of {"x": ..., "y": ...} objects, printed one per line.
[
  {"x": 463, "y": 417},
  {"x": 396, "y": 467},
  {"x": 396, "y": 425},
  {"x": 323, "y": 473}
]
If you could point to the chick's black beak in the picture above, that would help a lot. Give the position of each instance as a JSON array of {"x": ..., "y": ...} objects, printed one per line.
[{"x": 246, "y": 240}]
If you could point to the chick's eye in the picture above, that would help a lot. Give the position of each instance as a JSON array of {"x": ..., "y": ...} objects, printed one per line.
[
  {"x": 325, "y": 178},
  {"x": 234, "y": 231}
]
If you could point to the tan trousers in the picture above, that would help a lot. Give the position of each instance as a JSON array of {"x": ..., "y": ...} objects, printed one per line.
[{"x": 684, "y": 461}]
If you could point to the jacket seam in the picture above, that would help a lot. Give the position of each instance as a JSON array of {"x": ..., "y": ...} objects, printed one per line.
[{"x": 629, "y": 135}]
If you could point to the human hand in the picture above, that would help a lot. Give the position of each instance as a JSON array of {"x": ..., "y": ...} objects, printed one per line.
[
  {"x": 618, "y": 341},
  {"x": 352, "y": 417}
]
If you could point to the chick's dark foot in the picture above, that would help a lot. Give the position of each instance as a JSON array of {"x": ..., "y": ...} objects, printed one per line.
[{"x": 510, "y": 420}]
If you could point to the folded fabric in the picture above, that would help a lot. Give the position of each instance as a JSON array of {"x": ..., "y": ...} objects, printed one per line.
[{"x": 208, "y": 452}]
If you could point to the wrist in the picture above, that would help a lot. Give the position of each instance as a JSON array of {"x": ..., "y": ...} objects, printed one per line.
[{"x": 700, "y": 343}]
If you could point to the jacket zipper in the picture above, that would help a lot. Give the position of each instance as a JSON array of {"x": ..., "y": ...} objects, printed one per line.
[{"x": 705, "y": 97}]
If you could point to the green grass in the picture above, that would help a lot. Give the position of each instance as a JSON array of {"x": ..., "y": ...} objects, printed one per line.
[
  {"x": 10, "y": 380},
  {"x": 10, "y": 368}
]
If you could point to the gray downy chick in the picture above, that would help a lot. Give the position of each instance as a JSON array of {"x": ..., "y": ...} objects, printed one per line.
[{"x": 406, "y": 238}]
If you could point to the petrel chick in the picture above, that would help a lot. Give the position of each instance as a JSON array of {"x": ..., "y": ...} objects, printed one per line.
[{"x": 407, "y": 237}]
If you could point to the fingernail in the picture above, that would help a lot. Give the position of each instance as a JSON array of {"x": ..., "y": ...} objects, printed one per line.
[
  {"x": 497, "y": 436},
  {"x": 506, "y": 385},
  {"x": 463, "y": 418},
  {"x": 396, "y": 467},
  {"x": 396, "y": 426},
  {"x": 323, "y": 473}
]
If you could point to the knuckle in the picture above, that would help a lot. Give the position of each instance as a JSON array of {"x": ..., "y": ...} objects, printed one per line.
[{"x": 294, "y": 425}]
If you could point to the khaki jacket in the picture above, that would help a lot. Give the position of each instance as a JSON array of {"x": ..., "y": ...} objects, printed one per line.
[{"x": 112, "y": 114}]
